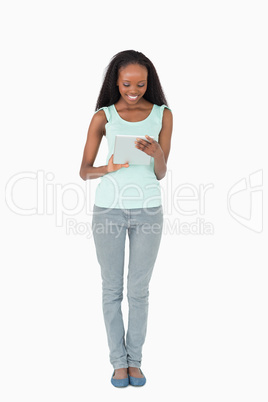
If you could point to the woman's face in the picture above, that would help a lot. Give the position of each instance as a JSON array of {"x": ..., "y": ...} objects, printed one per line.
[{"x": 132, "y": 82}]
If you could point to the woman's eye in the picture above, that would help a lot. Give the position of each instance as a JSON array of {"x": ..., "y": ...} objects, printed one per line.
[{"x": 140, "y": 86}]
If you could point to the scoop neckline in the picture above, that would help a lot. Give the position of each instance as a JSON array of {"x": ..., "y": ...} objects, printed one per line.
[{"x": 135, "y": 122}]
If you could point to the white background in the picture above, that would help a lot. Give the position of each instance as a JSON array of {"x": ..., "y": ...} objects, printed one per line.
[{"x": 207, "y": 329}]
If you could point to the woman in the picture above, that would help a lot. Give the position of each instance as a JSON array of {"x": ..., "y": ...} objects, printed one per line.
[{"x": 128, "y": 200}]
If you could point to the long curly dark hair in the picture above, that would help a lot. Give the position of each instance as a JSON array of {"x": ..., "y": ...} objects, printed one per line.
[{"x": 109, "y": 93}]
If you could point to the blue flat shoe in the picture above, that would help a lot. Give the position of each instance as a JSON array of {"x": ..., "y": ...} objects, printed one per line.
[
  {"x": 124, "y": 382},
  {"x": 137, "y": 382}
]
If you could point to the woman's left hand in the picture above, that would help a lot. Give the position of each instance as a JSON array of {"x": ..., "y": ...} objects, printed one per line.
[{"x": 150, "y": 147}]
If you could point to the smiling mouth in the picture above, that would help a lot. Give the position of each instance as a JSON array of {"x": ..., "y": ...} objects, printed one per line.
[{"x": 132, "y": 97}]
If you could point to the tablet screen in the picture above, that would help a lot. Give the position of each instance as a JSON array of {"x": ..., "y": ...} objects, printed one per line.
[{"x": 126, "y": 151}]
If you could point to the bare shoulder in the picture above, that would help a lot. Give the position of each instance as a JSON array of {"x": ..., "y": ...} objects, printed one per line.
[
  {"x": 99, "y": 121},
  {"x": 167, "y": 113},
  {"x": 99, "y": 116},
  {"x": 167, "y": 116}
]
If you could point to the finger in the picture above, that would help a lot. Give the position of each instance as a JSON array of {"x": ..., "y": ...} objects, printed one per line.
[
  {"x": 142, "y": 147},
  {"x": 120, "y": 165},
  {"x": 149, "y": 138},
  {"x": 142, "y": 142}
]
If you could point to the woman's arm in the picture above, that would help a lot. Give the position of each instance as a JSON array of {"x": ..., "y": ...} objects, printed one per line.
[
  {"x": 159, "y": 150},
  {"x": 94, "y": 137},
  {"x": 164, "y": 140},
  {"x": 95, "y": 133}
]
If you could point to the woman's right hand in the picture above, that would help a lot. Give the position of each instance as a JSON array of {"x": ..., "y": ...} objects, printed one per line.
[{"x": 112, "y": 167}]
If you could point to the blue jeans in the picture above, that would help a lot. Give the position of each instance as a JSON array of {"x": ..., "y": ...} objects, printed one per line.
[{"x": 109, "y": 227}]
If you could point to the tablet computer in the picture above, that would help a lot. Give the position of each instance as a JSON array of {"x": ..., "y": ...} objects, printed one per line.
[{"x": 125, "y": 150}]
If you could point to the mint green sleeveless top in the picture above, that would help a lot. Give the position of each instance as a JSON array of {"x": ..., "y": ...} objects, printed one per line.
[{"x": 135, "y": 186}]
